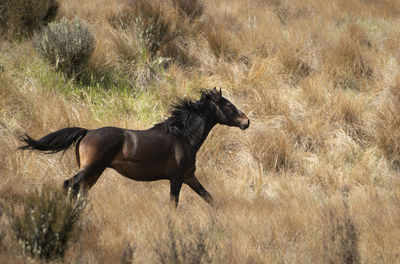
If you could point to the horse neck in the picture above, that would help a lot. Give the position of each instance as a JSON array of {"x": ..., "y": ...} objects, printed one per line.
[{"x": 198, "y": 134}]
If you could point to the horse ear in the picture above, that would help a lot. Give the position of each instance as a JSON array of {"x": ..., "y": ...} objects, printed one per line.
[
  {"x": 203, "y": 97},
  {"x": 218, "y": 94},
  {"x": 215, "y": 95}
]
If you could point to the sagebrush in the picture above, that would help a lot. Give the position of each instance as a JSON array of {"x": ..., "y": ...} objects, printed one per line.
[
  {"x": 47, "y": 222},
  {"x": 67, "y": 46}
]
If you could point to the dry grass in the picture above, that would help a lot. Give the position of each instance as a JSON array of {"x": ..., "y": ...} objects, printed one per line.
[{"x": 315, "y": 179}]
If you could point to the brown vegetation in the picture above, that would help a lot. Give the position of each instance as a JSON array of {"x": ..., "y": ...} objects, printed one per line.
[{"x": 315, "y": 179}]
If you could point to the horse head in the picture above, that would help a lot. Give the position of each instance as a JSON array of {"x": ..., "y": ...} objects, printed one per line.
[{"x": 226, "y": 113}]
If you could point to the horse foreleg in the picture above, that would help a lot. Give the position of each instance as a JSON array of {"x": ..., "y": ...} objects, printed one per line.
[
  {"x": 176, "y": 185},
  {"x": 199, "y": 189}
]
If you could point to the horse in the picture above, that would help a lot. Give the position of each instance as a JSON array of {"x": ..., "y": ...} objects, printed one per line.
[{"x": 167, "y": 151}]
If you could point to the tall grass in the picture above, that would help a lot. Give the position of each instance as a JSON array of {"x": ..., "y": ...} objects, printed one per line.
[{"x": 313, "y": 180}]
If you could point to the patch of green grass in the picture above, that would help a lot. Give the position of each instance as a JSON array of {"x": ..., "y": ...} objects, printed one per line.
[
  {"x": 108, "y": 95},
  {"x": 144, "y": 106},
  {"x": 111, "y": 96}
]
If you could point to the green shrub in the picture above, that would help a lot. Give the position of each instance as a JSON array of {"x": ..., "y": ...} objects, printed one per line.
[
  {"x": 22, "y": 17},
  {"x": 66, "y": 46},
  {"x": 46, "y": 223}
]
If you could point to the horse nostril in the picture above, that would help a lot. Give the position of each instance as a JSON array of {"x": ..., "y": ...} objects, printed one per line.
[{"x": 245, "y": 124}]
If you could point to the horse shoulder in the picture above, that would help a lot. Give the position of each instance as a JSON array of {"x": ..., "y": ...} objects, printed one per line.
[{"x": 184, "y": 156}]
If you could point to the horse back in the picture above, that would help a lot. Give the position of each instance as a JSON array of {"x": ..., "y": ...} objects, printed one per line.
[
  {"x": 154, "y": 145},
  {"x": 151, "y": 154}
]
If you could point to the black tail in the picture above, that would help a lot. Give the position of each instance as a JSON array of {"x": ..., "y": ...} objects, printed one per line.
[{"x": 56, "y": 141}]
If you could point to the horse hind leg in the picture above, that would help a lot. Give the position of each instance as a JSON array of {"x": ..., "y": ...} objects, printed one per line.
[
  {"x": 91, "y": 166},
  {"x": 73, "y": 183},
  {"x": 83, "y": 180}
]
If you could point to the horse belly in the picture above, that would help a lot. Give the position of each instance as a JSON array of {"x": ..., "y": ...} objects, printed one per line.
[{"x": 140, "y": 171}]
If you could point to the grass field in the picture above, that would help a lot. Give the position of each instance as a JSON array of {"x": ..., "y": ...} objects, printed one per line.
[{"x": 315, "y": 179}]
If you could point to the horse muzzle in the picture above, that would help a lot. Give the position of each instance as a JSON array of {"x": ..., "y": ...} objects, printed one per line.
[{"x": 244, "y": 123}]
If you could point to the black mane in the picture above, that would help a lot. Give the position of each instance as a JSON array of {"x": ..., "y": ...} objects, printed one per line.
[{"x": 186, "y": 115}]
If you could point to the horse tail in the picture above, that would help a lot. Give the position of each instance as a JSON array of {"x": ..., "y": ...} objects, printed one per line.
[{"x": 55, "y": 142}]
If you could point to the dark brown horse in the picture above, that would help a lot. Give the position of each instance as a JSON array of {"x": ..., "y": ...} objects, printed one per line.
[{"x": 165, "y": 151}]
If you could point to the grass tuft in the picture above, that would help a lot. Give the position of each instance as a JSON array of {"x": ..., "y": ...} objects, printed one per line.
[
  {"x": 386, "y": 129},
  {"x": 273, "y": 149},
  {"x": 185, "y": 244}
]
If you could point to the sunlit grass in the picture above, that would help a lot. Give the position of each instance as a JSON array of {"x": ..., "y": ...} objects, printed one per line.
[{"x": 315, "y": 177}]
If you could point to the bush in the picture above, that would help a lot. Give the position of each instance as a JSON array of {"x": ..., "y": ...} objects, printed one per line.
[
  {"x": 185, "y": 244},
  {"x": 46, "y": 223},
  {"x": 22, "y": 17},
  {"x": 67, "y": 46}
]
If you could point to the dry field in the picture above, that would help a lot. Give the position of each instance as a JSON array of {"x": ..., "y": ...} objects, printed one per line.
[{"x": 315, "y": 179}]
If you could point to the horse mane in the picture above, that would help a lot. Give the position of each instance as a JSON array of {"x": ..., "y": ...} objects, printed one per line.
[{"x": 183, "y": 115}]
